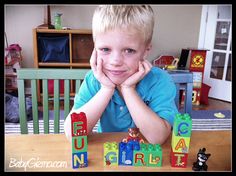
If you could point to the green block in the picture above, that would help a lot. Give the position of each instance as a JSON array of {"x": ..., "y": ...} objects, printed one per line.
[
  {"x": 111, "y": 154},
  {"x": 154, "y": 155},
  {"x": 79, "y": 144},
  {"x": 140, "y": 156},
  {"x": 182, "y": 125}
]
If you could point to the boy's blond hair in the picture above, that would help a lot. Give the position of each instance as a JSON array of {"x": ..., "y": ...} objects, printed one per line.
[{"x": 138, "y": 17}]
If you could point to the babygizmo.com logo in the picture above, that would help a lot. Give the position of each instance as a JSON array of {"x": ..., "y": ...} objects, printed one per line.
[{"x": 36, "y": 163}]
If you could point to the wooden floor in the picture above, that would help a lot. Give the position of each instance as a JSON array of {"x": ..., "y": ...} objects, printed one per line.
[{"x": 214, "y": 104}]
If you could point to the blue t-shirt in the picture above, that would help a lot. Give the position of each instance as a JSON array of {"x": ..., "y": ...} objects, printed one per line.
[{"x": 156, "y": 89}]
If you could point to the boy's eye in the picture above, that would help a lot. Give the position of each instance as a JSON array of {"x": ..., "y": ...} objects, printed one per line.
[
  {"x": 129, "y": 51},
  {"x": 105, "y": 49}
]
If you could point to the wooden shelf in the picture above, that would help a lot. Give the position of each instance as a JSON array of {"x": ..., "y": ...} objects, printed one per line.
[
  {"x": 78, "y": 46},
  {"x": 70, "y": 31},
  {"x": 10, "y": 75}
]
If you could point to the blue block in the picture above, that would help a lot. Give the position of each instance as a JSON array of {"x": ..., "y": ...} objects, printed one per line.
[
  {"x": 126, "y": 152},
  {"x": 79, "y": 160}
]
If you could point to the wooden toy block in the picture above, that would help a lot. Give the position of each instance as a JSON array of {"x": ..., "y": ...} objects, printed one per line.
[
  {"x": 111, "y": 154},
  {"x": 154, "y": 155},
  {"x": 178, "y": 159},
  {"x": 78, "y": 124},
  {"x": 126, "y": 152},
  {"x": 79, "y": 144},
  {"x": 180, "y": 144},
  {"x": 182, "y": 125},
  {"x": 79, "y": 160},
  {"x": 139, "y": 156}
]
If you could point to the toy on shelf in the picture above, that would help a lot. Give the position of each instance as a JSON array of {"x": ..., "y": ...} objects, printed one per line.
[
  {"x": 180, "y": 141},
  {"x": 79, "y": 140},
  {"x": 166, "y": 62},
  {"x": 197, "y": 64},
  {"x": 200, "y": 164},
  {"x": 133, "y": 135}
]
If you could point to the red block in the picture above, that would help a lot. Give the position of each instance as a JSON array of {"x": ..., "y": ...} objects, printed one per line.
[
  {"x": 178, "y": 159},
  {"x": 78, "y": 124}
]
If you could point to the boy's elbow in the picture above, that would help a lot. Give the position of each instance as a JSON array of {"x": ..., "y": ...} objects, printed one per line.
[{"x": 158, "y": 139}]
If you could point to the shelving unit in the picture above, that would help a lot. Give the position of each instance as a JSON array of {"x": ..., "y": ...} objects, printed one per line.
[{"x": 79, "y": 47}]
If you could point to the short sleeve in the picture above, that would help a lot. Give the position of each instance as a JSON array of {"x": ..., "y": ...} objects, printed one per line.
[
  {"x": 88, "y": 89},
  {"x": 163, "y": 96}
]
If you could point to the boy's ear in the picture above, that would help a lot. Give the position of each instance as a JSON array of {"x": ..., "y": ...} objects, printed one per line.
[{"x": 147, "y": 50}]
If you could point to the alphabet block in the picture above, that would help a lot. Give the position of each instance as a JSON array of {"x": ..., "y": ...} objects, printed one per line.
[
  {"x": 182, "y": 125},
  {"x": 79, "y": 160},
  {"x": 78, "y": 124},
  {"x": 154, "y": 155},
  {"x": 110, "y": 154},
  {"x": 79, "y": 144},
  {"x": 180, "y": 144},
  {"x": 126, "y": 152},
  {"x": 79, "y": 140},
  {"x": 139, "y": 158},
  {"x": 178, "y": 159}
]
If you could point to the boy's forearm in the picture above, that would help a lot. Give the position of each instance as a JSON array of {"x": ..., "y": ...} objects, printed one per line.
[
  {"x": 93, "y": 109},
  {"x": 154, "y": 128}
]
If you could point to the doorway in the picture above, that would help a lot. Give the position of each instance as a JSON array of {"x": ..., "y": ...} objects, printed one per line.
[{"x": 216, "y": 36}]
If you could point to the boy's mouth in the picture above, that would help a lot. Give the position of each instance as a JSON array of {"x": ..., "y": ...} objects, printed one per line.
[{"x": 116, "y": 72}]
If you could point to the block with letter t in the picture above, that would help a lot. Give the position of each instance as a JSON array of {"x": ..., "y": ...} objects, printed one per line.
[{"x": 178, "y": 159}]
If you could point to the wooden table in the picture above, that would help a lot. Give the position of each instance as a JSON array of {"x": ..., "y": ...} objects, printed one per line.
[{"x": 52, "y": 152}]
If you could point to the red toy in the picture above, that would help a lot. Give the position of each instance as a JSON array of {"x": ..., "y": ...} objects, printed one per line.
[
  {"x": 163, "y": 61},
  {"x": 197, "y": 64},
  {"x": 133, "y": 135}
]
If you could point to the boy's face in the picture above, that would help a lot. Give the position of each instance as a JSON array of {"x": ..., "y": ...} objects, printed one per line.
[{"x": 121, "y": 51}]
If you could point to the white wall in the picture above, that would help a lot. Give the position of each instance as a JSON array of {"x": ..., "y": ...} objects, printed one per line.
[{"x": 176, "y": 26}]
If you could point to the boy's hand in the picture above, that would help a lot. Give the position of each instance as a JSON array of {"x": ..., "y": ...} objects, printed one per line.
[
  {"x": 96, "y": 65},
  {"x": 144, "y": 68}
]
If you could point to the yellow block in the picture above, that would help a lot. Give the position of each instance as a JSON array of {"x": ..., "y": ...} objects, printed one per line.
[
  {"x": 180, "y": 144},
  {"x": 111, "y": 154}
]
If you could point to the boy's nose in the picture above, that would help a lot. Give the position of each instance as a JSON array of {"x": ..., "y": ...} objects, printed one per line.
[{"x": 116, "y": 59}]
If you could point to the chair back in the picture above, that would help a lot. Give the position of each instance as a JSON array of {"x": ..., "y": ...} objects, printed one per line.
[{"x": 38, "y": 78}]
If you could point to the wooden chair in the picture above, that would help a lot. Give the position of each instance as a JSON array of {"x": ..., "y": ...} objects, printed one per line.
[{"x": 34, "y": 75}]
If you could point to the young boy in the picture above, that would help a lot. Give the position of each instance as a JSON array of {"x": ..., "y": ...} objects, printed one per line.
[{"x": 123, "y": 90}]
